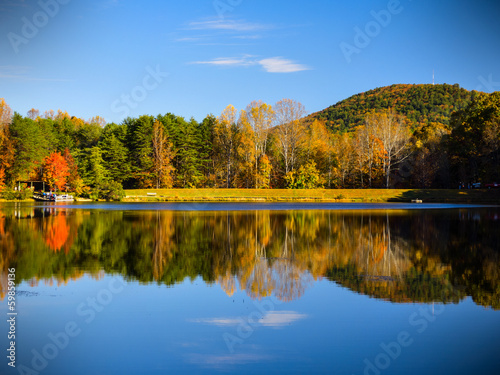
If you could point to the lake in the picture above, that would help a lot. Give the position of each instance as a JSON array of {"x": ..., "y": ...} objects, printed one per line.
[{"x": 318, "y": 288}]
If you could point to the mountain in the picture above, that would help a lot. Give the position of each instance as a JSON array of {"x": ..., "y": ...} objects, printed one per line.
[{"x": 421, "y": 104}]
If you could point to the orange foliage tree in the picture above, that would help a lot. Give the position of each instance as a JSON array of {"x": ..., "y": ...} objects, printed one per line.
[
  {"x": 2, "y": 179},
  {"x": 55, "y": 170}
]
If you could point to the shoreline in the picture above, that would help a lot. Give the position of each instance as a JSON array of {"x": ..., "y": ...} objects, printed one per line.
[
  {"x": 315, "y": 195},
  {"x": 480, "y": 196}
]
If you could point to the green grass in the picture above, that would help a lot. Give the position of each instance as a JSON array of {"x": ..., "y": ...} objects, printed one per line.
[{"x": 322, "y": 195}]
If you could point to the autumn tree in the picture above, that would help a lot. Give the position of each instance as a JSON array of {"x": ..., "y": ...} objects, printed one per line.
[
  {"x": 61, "y": 115},
  {"x": 305, "y": 177},
  {"x": 290, "y": 130},
  {"x": 33, "y": 113},
  {"x": 344, "y": 156},
  {"x": 259, "y": 116},
  {"x": 394, "y": 135},
  {"x": 55, "y": 171},
  {"x": 162, "y": 157},
  {"x": 429, "y": 159},
  {"x": 7, "y": 150},
  {"x": 319, "y": 148},
  {"x": 96, "y": 120},
  {"x": 264, "y": 173},
  {"x": 370, "y": 150},
  {"x": 2, "y": 178},
  {"x": 50, "y": 114},
  {"x": 73, "y": 179},
  {"x": 226, "y": 140},
  {"x": 246, "y": 152},
  {"x": 5, "y": 113}
]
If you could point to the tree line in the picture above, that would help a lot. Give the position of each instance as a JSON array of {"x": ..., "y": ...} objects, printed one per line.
[{"x": 261, "y": 146}]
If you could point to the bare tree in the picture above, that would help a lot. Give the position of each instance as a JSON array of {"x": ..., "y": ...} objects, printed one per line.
[
  {"x": 33, "y": 113},
  {"x": 395, "y": 137},
  {"x": 289, "y": 129},
  {"x": 5, "y": 114},
  {"x": 343, "y": 146},
  {"x": 226, "y": 137}
]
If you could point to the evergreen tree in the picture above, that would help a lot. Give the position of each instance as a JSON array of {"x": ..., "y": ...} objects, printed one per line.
[
  {"x": 31, "y": 147},
  {"x": 91, "y": 166},
  {"x": 189, "y": 173},
  {"x": 139, "y": 139},
  {"x": 114, "y": 152},
  {"x": 206, "y": 150}
]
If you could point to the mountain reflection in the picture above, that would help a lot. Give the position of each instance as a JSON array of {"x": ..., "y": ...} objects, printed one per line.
[{"x": 401, "y": 256}]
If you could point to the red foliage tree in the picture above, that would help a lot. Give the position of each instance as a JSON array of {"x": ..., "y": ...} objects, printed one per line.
[
  {"x": 55, "y": 171},
  {"x": 2, "y": 178}
]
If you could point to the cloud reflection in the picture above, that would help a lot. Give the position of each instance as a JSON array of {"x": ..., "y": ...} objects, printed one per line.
[
  {"x": 234, "y": 359},
  {"x": 273, "y": 319}
]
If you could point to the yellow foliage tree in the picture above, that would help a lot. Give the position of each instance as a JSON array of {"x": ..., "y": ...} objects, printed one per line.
[{"x": 162, "y": 157}]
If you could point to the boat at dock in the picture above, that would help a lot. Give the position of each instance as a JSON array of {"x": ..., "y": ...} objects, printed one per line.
[{"x": 48, "y": 197}]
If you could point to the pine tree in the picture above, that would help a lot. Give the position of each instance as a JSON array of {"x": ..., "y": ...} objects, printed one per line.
[
  {"x": 31, "y": 147},
  {"x": 115, "y": 154}
]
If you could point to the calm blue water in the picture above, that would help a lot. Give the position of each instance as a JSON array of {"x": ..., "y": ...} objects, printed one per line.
[{"x": 245, "y": 288}]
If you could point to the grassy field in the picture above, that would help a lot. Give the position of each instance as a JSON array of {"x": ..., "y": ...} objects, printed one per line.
[{"x": 322, "y": 195}]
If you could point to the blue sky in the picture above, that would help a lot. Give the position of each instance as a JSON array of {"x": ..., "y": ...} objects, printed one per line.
[{"x": 118, "y": 58}]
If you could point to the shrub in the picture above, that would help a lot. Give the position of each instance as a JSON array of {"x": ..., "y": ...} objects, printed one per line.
[
  {"x": 306, "y": 177},
  {"x": 11, "y": 194},
  {"x": 110, "y": 191}
]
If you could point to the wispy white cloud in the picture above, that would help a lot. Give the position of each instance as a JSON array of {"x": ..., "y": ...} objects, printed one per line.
[
  {"x": 229, "y": 61},
  {"x": 221, "y": 32},
  {"x": 250, "y": 37},
  {"x": 20, "y": 73},
  {"x": 281, "y": 65},
  {"x": 228, "y": 25},
  {"x": 189, "y": 39},
  {"x": 270, "y": 65}
]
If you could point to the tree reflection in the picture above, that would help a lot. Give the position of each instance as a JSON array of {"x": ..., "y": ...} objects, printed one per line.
[{"x": 398, "y": 256}]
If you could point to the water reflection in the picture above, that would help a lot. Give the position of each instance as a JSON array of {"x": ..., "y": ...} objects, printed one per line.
[{"x": 401, "y": 256}]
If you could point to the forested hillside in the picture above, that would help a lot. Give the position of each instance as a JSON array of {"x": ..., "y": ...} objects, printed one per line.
[{"x": 420, "y": 104}]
